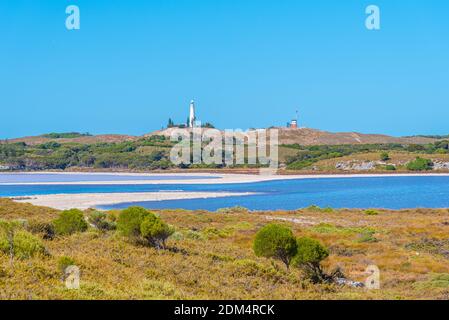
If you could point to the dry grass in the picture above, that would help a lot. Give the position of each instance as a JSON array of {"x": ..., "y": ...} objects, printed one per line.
[
  {"x": 13, "y": 210},
  {"x": 211, "y": 258}
]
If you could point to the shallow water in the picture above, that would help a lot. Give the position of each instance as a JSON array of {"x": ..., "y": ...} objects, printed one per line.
[
  {"x": 79, "y": 177},
  {"x": 377, "y": 192}
]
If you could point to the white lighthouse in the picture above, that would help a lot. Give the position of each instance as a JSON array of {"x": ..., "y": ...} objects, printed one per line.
[{"x": 192, "y": 114}]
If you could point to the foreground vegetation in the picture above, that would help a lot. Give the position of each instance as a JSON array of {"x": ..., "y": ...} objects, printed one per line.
[{"x": 177, "y": 254}]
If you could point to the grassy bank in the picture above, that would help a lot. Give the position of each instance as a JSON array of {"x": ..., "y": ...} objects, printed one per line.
[{"x": 210, "y": 256}]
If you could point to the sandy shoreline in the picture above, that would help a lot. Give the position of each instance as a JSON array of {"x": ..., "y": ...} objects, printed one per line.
[
  {"x": 209, "y": 178},
  {"x": 90, "y": 200}
]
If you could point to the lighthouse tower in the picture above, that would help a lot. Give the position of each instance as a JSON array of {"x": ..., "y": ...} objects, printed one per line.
[{"x": 192, "y": 114}]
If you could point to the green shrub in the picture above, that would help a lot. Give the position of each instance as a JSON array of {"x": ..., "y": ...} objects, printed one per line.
[
  {"x": 319, "y": 209},
  {"x": 64, "y": 262},
  {"x": 367, "y": 237},
  {"x": 384, "y": 156},
  {"x": 15, "y": 241},
  {"x": 212, "y": 232},
  {"x": 326, "y": 228},
  {"x": 332, "y": 229},
  {"x": 22, "y": 245},
  {"x": 390, "y": 167},
  {"x": 309, "y": 255},
  {"x": 141, "y": 225},
  {"x": 4, "y": 243},
  {"x": 420, "y": 164},
  {"x": 9, "y": 226},
  {"x": 100, "y": 221},
  {"x": 275, "y": 241},
  {"x": 371, "y": 212},
  {"x": 193, "y": 235},
  {"x": 27, "y": 245},
  {"x": 309, "y": 251},
  {"x": 187, "y": 234},
  {"x": 69, "y": 222},
  {"x": 236, "y": 209},
  {"x": 129, "y": 221},
  {"x": 7, "y": 230},
  {"x": 155, "y": 231}
]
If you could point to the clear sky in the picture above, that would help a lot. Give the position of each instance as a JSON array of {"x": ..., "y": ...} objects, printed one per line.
[{"x": 252, "y": 63}]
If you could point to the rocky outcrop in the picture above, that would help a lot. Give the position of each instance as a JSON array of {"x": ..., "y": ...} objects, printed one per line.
[
  {"x": 349, "y": 283},
  {"x": 357, "y": 165},
  {"x": 440, "y": 165}
]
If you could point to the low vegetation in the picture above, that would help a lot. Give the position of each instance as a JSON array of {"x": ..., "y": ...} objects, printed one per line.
[
  {"x": 234, "y": 254},
  {"x": 276, "y": 241},
  {"x": 69, "y": 222},
  {"x": 148, "y": 153},
  {"x": 16, "y": 242},
  {"x": 371, "y": 212},
  {"x": 307, "y": 156},
  {"x": 65, "y": 135},
  {"x": 153, "y": 153},
  {"x": 142, "y": 226},
  {"x": 384, "y": 156},
  {"x": 420, "y": 164},
  {"x": 102, "y": 221},
  {"x": 308, "y": 257}
]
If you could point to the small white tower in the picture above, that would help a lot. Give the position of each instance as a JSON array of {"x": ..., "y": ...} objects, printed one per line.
[{"x": 192, "y": 114}]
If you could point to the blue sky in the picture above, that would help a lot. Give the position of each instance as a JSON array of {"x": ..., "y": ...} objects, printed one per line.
[{"x": 247, "y": 63}]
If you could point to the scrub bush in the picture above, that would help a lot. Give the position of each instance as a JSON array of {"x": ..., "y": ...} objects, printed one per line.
[
  {"x": 17, "y": 242},
  {"x": 69, "y": 222},
  {"x": 420, "y": 164},
  {"x": 384, "y": 156},
  {"x": 27, "y": 245},
  {"x": 155, "y": 231},
  {"x": 141, "y": 225},
  {"x": 309, "y": 255},
  {"x": 275, "y": 241},
  {"x": 100, "y": 220},
  {"x": 64, "y": 262},
  {"x": 371, "y": 212},
  {"x": 129, "y": 221}
]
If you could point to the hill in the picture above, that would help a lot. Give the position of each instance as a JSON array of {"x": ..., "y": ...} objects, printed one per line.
[
  {"x": 308, "y": 137},
  {"x": 84, "y": 139},
  {"x": 301, "y": 136},
  {"x": 305, "y": 136}
]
